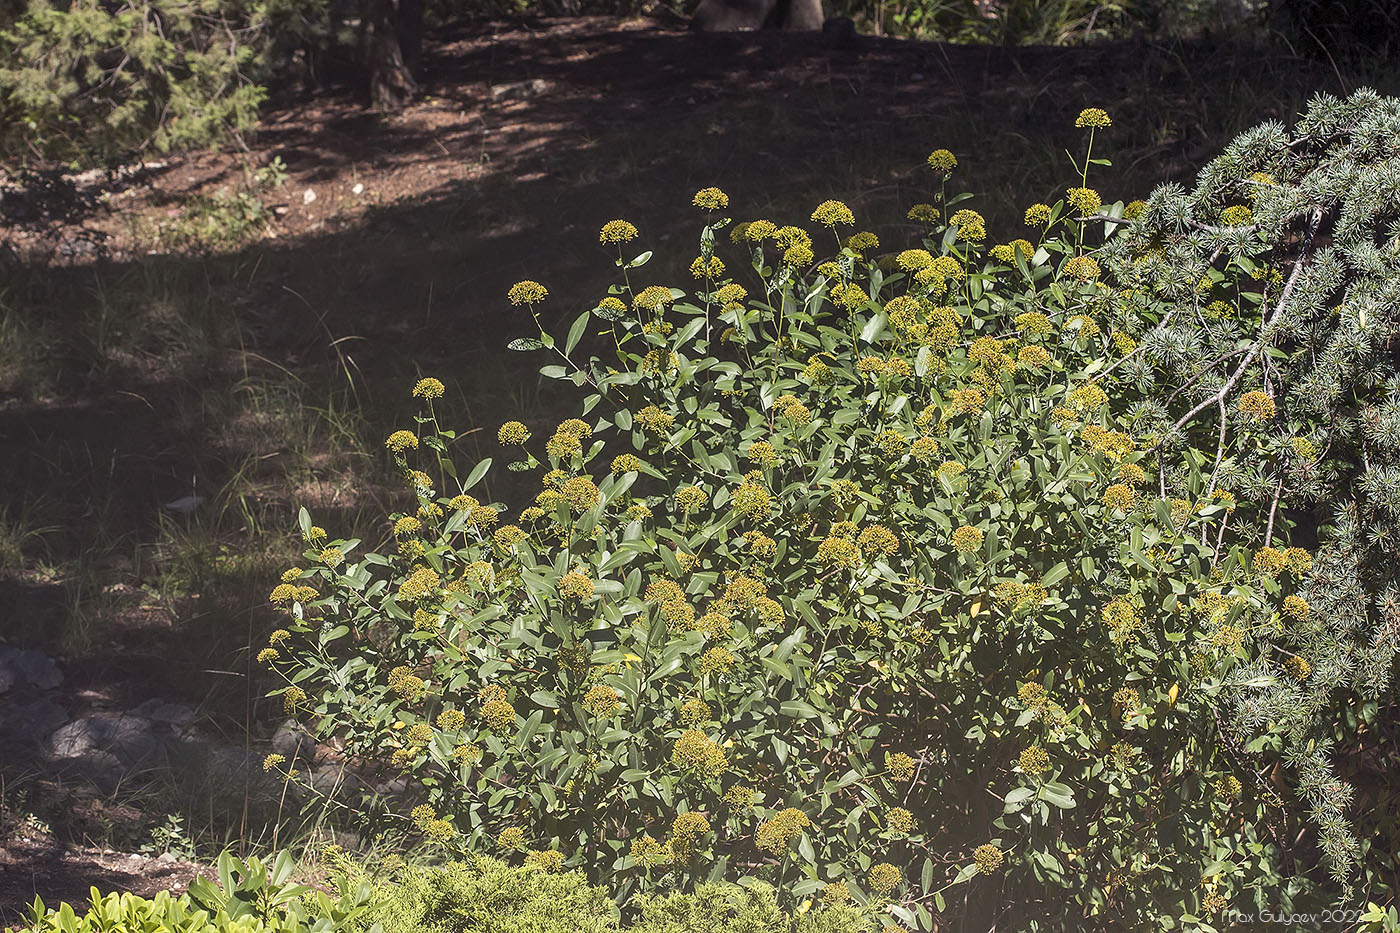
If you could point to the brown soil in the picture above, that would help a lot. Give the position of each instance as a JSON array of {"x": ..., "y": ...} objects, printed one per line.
[{"x": 37, "y": 865}]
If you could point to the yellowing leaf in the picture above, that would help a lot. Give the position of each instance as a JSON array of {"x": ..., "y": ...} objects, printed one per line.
[{"x": 1172, "y": 694}]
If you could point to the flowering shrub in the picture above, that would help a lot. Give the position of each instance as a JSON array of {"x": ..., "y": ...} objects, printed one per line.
[{"x": 872, "y": 574}]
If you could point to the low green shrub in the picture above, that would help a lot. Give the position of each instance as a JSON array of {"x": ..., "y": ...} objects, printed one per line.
[
  {"x": 482, "y": 895},
  {"x": 250, "y": 897},
  {"x": 884, "y": 573},
  {"x": 485, "y": 895},
  {"x": 488, "y": 896}
]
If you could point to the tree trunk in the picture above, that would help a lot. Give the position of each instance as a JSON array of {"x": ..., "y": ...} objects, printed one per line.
[{"x": 391, "y": 83}]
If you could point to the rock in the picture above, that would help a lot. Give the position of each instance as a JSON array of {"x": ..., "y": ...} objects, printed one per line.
[
  {"x": 330, "y": 779},
  {"x": 166, "y": 711},
  {"x": 30, "y": 723},
  {"x": 27, "y": 666},
  {"x": 292, "y": 742},
  {"x": 308, "y": 196},
  {"x": 519, "y": 90},
  {"x": 98, "y": 738}
]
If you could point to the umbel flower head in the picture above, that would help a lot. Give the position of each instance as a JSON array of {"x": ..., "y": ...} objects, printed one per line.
[
  {"x": 1257, "y": 406},
  {"x": 710, "y": 199},
  {"x": 1092, "y": 117},
  {"x": 512, "y": 432},
  {"x": 988, "y": 858},
  {"x": 831, "y": 213},
  {"x": 1037, "y": 215},
  {"x": 941, "y": 160},
  {"x": 428, "y": 388},
  {"x": 774, "y": 835},
  {"x": 617, "y": 231},
  {"x": 1084, "y": 200},
  {"x": 967, "y": 539},
  {"x": 884, "y": 878},
  {"x": 527, "y": 292},
  {"x": 696, "y": 753}
]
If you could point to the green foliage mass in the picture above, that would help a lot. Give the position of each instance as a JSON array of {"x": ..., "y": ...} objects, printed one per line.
[
  {"x": 92, "y": 83},
  {"x": 484, "y": 895},
  {"x": 479, "y": 896},
  {"x": 881, "y": 574},
  {"x": 249, "y": 897}
]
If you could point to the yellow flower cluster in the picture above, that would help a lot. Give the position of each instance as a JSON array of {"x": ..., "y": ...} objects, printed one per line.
[
  {"x": 450, "y": 720},
  {"x": 694, "y": 712},
  {"x": 418, "y": 585},
  {"x": 900, "y": 766},
  {"x": 1006, "y": 252},
  {"x": 884, "y": 878},
  {"x": 655, "y": 421},
  {"x": 971, "y": 225},
  {"x": 739, "y": 797},
  {"x": 1083, "y": 268},
  {"x": 617, "y": 231},
  {"x": 527, "y": 292},
  {"x": 941, "y": 160},
  {"x": 862, "y": 242},
  {"x": 625, "y": 463},
  {"x": 1120, "y": 497},
  {"x": 776, "y": 834},
  {"x": 702, "y": 268},
  {"x": 1297, "y": 667},
  {"x": 512, "y": 432},
  {"x": 1093, "y": 118},
  {"x": 967, "y": 539},
  {"x": 685, "y": 832},
  {"x": 1084, "y": 200},
  {"x": 988, "y": 858},
  {"x": 428, "y": 388},
  {"x": 1032, "y": 357},
  {"x": 1037, "y": 215},
  {"x": 1257, "y": 406},
  {"x": 602, "y": 701},
  {"x": 1122, "y": 619},
  {"x": 1034, "y": 760},
  {"x": 924, "y": 213},
  {"x": 752, "y": 500},
  {"x": 694, "y": 751},
  {"x": 831, "y": 213},
  {"x": 967, "y": 401},
  {"x": 1111, "y": 445},
  {"x": 406, "y": 684},
  {"x": 575, "y": 585},
  {"x": 839, "y": 552},
  {"x": 1016, "y": 596},
  {"x": 710, "y": 199},
  {"x": 1237, "y": 215}
]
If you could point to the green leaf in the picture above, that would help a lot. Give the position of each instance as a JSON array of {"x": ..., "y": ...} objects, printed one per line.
[
  {"x": 1059, "y": 795},
  {"x": 476, "y": 474},
  {"x": 576, "y": 333}
]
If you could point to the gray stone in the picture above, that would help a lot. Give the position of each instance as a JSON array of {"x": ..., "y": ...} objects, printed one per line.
[
  {"x": 165, "y": 711},
  {"x": 27, "y": 666},
  {"x": 30, "y": 723},
  {"x": 292, "y": 742},
  {"x": 127, "y": 738}
]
